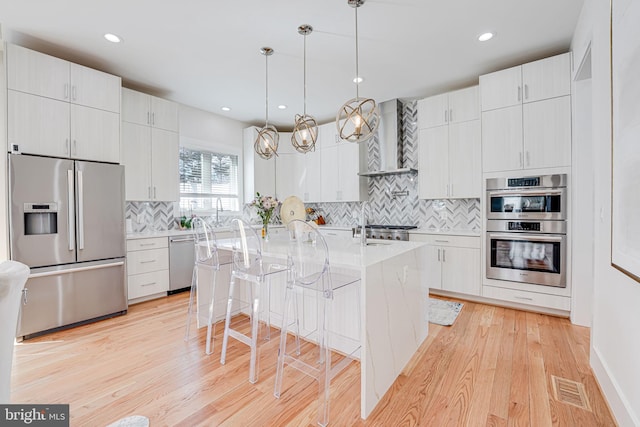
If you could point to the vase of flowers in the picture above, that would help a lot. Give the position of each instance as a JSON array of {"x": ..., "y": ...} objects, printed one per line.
[{"x": 265, "y": 205}]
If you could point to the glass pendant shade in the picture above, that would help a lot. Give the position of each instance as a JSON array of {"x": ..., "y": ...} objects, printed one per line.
[
  {"x": 358, "y": 119},
  {"x": 266, "y": 143},
  {"x": 305, "y": 130}
]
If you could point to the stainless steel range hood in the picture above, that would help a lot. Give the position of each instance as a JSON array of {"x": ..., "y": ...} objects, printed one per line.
[{"x": 390, "y": 140}]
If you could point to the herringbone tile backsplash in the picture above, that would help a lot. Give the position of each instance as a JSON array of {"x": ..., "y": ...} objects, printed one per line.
[{"x": 385, "y": 208}]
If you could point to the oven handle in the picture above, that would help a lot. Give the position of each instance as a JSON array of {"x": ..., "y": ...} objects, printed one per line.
[
  {"x": 514, "y": 192},
  {"x": 533, "y": 237}
]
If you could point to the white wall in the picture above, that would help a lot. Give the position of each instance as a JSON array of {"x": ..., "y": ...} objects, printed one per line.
[
  {"x": 206, "y": 126},
  {"x": 615, "y": 334}
]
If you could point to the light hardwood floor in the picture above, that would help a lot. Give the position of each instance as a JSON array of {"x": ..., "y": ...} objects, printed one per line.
[{"x": 493, "y": 367}]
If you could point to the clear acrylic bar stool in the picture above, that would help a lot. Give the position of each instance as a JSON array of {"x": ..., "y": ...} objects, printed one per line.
[
  {"x": 310, "y": 270},
  {"x": 248, "y": 268},
  {"x": 206, "y": 258}
]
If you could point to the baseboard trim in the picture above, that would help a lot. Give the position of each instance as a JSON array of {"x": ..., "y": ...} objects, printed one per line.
[{"x": 620, "y": 408}]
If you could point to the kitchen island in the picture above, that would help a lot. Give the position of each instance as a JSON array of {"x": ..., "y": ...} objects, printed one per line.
[{"x": 393, "y": 305}]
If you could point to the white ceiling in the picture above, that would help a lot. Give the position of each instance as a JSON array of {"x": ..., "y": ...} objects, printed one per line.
[{"x": 206, "y": 53}]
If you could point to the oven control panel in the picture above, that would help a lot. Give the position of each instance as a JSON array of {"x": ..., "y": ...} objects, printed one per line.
[{"x": 523, "y": 226}]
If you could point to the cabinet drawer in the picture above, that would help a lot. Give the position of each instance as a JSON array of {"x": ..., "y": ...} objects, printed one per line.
[
  {"x": 141, "y": 285},
  {"x": 447, "y": 240},
  {"x": 139, "y": 262},
  {"x": 144, "y": 244},
  {"x": 530, "y": 298}
]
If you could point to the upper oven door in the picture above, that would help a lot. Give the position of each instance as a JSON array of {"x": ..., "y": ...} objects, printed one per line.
[{"x": 527, "y": 204}]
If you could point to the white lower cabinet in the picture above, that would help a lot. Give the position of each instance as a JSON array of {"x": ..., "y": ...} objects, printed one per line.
[
  {"x": 557, "y": 302},
  {"x": 147, "y": 267},
  {"x": 453, "y": 262}
]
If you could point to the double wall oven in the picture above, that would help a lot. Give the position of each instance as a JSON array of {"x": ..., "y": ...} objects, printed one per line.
[{"x": 527, "y": 229}]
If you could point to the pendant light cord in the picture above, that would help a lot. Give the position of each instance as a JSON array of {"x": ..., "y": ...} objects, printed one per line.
[
  {"x": 357, "y": 59},
  {"x": 266, "y": 90},
  {"x": 304, "y": 79}
]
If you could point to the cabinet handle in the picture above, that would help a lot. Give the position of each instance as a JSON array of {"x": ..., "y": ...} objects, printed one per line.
[
  {"x": 75, "y": 147},
  {"x": 444, "y": 255},
  {"x": 148, "y": 284},
  {"x": 66, "y": 146},
  {"x": 446, "y": 117},
  {"x": 66, "y": 91},
  {"x": 153, "y": 118},
  {"x": 526, "y": 91},
  {"x": 523, "y": 298},
  {"x": 450, "y": 115},
  {"x": 442, "y": 241},
  {"x": 147, "y": 244},
  {"x": 519, "y": 93},
  {"x": 73, "y": 93},
  {"x": 528, "y": 160},
  {"x": 149, "y": 191},
  {"x": 148, "y": 262},
  {"x": 154, "y": 192},
  {"x": 446, "y": 189},
  {"x": 438, "y": 255},
  {"x": 520, "y": 157},
  {"x": 148, "y": 118}
]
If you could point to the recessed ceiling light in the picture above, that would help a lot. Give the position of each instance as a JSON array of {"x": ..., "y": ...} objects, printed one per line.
[
  {"x": 358, "y": 79},
  {"x": 112, "y": 38},
  {"x": 282, "y": 107},
  {"x": 485, "y": 36},
  {"x": 225, "y": 109}
]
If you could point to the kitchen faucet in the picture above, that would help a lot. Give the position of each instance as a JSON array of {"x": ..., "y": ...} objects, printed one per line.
[
  {"x": 363, "y": 223},
  {"x": 218, "y": 210}
]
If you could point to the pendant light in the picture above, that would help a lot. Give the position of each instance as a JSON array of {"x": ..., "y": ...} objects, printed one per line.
[
  {"x": 358, "y": 119},
  {"x": 266, "y": 144},
  {"x": 305, "y": 130}
]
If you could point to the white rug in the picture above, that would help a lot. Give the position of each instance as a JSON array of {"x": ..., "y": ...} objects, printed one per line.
[
  {"x": 443, "y": 312},
  {"x": 132, "y": 421}
]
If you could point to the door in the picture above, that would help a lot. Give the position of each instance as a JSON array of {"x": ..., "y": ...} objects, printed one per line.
[
  {"x": 43, "y": 233},
  {"x": 433, "y": 158},
  {"x": 164, "y": 165},
  {"x": 501, "y": 89},
  {"x": 93, "y": 88},
  {"x": 136, "y": 157},
  {"x": 461, "y": 270},
  {"x": 547, "y": 133},
  {"x": 36, "y": 73},
  {"x": 38, "y": 125},
  {"x": 547, "y": 78},
  {"x": 464, "y": 105},
  {"x": 95, "y": 134},
  {"x": 433, "y": 111},
  {"x": 135, "y": 107},
  {"x": 433, "y": 267},
  {"x": 164, "y": 114},
  {"x": 465, "y": 176},
  {"x": 502, "y": 139},
  {"x": 100, "y": 211}
]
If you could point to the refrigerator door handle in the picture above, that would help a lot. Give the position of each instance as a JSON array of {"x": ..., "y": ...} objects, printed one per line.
[
  {"x": 80, "y": 211},
  {"x": 76, "y": 270},
  {"x": 70, "y": 210}
]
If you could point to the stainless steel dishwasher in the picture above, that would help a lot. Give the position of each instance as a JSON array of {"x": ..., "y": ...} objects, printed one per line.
[{"x": 181, "y": 260}]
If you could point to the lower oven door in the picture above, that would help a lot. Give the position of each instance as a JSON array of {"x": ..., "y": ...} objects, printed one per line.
[{"x": 527, "y": 258}]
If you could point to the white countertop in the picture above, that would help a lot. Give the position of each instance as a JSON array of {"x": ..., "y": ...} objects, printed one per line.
[
  {"x": 346, "y": 253},
  {"x": 472, "y": 233}
]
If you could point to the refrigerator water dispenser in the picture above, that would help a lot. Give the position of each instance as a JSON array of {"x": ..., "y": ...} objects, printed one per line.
[{"x": 40, "y": 218}]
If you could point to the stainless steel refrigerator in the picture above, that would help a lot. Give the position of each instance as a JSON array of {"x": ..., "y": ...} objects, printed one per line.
[{"x": 67, "y": 225}]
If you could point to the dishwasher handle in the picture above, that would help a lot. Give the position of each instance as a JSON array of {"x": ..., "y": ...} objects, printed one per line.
[{"x": 181, "y": 239}]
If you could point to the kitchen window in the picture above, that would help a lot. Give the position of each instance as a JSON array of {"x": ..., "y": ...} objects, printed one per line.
[{"x": 205, "y": 177}]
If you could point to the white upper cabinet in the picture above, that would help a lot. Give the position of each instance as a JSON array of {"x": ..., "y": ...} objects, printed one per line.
[
  {"x": 452, "y": 107},
  {"x": 534, "y": 81},
  {"x": 60, "y": 109},
  {"x": 449, "y": 154},
  {"x": 150, "y": 148},
  {"x": 44, "y": 75},
  {"x": 531, "y": 129},
  {"x": 259, "y": 174},
  {"x": 149, "y": 110}
]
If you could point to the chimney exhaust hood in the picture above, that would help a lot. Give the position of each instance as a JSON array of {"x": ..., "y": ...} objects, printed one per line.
[{"x": 390, "y": 141}]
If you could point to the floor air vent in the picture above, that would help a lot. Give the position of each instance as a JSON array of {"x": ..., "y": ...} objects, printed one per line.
[{"x": 571, "y": 392}]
